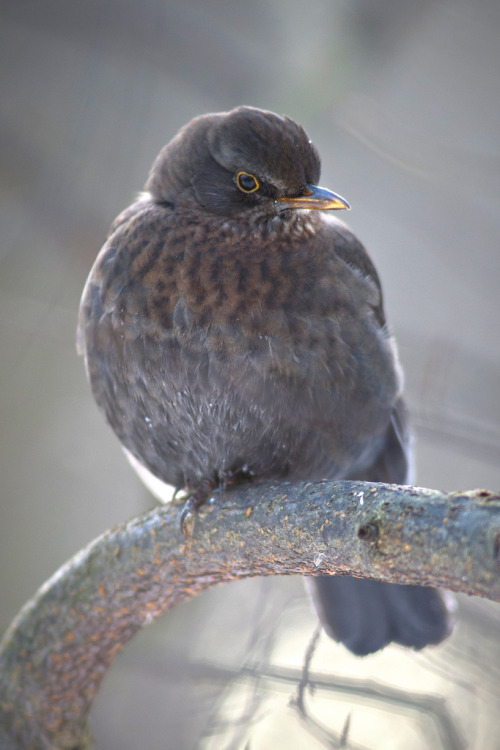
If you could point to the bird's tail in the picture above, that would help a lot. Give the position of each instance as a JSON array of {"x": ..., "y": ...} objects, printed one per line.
[{"x": 367, "y": 615}]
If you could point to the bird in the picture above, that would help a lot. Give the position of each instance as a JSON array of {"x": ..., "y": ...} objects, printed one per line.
[{"x": 233, "y": 330}]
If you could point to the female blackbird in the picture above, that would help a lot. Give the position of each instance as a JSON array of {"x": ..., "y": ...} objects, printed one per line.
[{"x": 232, "y": 330}]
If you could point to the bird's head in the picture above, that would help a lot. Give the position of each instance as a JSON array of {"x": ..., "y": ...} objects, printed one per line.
[{"x": 240, "y": 161}]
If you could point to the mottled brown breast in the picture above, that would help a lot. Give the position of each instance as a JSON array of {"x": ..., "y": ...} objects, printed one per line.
[{"x": 225, "y": 275}]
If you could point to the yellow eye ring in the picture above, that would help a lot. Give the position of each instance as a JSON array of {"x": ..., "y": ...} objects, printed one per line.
[{"x": 247, "y": 182}]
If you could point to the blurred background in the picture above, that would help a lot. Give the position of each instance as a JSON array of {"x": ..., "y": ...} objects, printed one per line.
[{"x": 402, "y": 100}]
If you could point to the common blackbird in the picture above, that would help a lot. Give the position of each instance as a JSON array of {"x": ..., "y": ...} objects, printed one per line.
[{"x": 234, "y": 331}]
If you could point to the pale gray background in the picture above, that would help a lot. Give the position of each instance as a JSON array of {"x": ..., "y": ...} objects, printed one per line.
[{"x": 403, "y": 101}]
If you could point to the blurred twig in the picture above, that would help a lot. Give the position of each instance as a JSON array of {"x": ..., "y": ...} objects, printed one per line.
[{"x": 431, "y": 707}]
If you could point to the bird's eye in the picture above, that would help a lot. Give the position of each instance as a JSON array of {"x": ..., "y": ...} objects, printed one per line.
[{"x": 247, "y": 182}]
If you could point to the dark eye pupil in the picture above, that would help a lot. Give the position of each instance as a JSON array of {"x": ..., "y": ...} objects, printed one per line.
[{"x": 247, "y": 182}]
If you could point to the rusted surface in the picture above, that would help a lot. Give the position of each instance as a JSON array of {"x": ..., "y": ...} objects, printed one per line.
[{"x": 55, "y": 654}]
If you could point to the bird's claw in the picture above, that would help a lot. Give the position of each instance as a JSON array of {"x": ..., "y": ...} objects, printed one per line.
[
  {"x": 187, "y": 521},
  {"x": 192, "y": 504}
]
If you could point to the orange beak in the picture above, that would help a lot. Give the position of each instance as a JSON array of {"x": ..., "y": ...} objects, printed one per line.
[{"x": 316, "y": 197}]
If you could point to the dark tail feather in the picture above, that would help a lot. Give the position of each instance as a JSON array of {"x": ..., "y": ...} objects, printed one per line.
[{"x": 367, "y": 615}]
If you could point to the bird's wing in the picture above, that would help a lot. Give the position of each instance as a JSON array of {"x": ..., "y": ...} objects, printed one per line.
[
  {"x": 353, "y": 253},
  {"x": 394, "y": 463}
]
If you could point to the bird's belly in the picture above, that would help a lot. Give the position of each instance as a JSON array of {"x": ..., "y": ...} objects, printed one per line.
[{"x": 250, "y": 415}]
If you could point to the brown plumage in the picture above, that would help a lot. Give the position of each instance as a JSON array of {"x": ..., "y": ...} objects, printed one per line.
[{"x": 232, "y": 331}]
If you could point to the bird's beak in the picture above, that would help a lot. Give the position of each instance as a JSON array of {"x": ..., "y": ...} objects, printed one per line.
[{"x": 316, "y": 197}]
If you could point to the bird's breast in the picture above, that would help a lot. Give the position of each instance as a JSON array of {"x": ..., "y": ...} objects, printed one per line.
[{"x": 209, "y": 351}]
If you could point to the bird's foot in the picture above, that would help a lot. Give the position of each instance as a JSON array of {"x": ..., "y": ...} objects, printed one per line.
[{"x": 192, "y": 505}]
